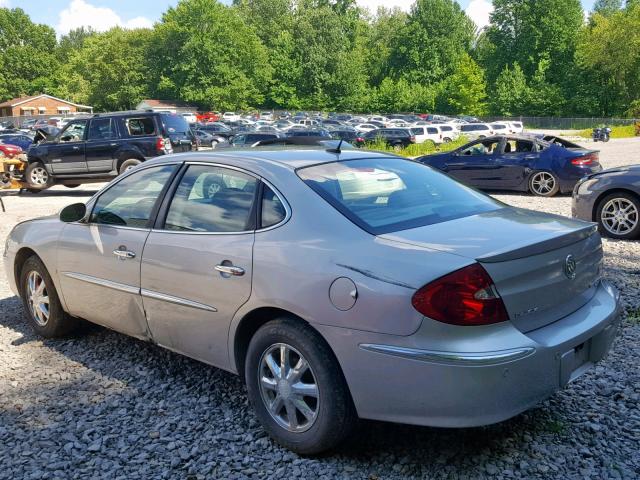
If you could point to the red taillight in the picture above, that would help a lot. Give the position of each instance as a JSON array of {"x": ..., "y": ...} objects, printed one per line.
[
  {"x": 584, "y": 160},
  {"x": 464, "y": 297},
  {"x": 360, "y": 140},
  {"x": 160, "y": 144}
]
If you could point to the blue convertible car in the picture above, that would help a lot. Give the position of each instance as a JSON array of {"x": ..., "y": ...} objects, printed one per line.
[{"x": 520, "y": 163}]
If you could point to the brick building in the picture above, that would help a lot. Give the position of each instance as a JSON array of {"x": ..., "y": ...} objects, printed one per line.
[{"x": 40, "y": 105}]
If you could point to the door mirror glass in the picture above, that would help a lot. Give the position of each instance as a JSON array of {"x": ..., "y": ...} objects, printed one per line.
[{"x": 73, "y": 213}]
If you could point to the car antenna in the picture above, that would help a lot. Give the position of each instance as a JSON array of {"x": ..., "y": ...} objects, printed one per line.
[{"x": 337, "y": 149}]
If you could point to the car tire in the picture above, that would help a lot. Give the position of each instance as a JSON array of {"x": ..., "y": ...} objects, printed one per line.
[
  {"x": 128, "y": 165},
  {"x": 396, "y": 147},
  {"x": 42, "y": 307},
  {"x": 329, "y": 412},
  {"x": 446, "y": 140},
  {"x": 544, "y": 184},
  {"x": 37, "y": 177},
  {"x": 614, "y": 208},
  {"x": 72, "y": 186}
]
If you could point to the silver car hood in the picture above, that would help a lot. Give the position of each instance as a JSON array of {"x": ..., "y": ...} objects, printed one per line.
[{"x": 497, "y": 236}]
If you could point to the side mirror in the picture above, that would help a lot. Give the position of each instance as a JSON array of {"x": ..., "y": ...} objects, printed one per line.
[{"x": 73, "y": 213}]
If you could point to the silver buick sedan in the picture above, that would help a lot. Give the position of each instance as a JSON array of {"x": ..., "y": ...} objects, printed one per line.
[{"x": 339, "y": 285}]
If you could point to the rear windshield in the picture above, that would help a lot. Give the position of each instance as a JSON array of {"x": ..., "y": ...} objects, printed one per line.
[
  {"x": 383, "y": 195},
  {"x": 173, "y": 123}
]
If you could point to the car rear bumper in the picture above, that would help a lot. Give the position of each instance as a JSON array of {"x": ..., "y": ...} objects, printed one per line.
[{"x": 407, "y": 380}]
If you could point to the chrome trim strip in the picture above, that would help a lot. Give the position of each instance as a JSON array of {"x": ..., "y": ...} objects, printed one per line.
[
  {"x": 176, "y": 300},
  {"x": 121, "y": 287},
  {"x": 452, "y": 358}
]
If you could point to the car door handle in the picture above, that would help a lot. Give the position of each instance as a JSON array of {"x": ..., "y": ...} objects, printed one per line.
[
  {"x": 75, "y": 147},
  {"x": 230, "y": 270},
  {"x": 114, "y": 144},
  {"x": 123, "y": 254}
]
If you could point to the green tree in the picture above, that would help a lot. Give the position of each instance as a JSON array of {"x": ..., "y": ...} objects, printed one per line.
[
  {"x": 109, "y": 70},
  {"x": 511, "y": 92},
  {"x": 464, "y": 92},
  {"x": 429, "y": 47},
  {"x": 204, "y": 52},
  {"x": 607, "y": 7},
  {"x": 27, "y": 57}
]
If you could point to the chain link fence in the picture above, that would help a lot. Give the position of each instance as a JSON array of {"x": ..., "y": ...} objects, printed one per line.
[{"x": 557, "y": 123}]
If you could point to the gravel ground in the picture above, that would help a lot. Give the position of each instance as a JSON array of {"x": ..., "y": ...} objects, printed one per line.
[{"x": 101, "y": 405}]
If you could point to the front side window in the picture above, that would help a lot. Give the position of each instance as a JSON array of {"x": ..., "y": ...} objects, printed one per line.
[
  {"x": 212, "y": 199},
  {"x": 129, "y": 203},
  {"x": 140, "y": 126},
  {"x": 74, "y": 132},
  {"x": 383, "y": 195},
  {"x": 485, "y": 147}
]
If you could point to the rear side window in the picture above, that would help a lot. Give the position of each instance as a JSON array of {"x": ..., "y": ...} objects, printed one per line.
[
  {"x": 213, "y": 199},
  {"x": 140, "y": 126},
  {"x": 129, "y": 202},
  {"x": 272, "y": 209},
  {"x": 102, "y": 129},
  {"x": 383, "y": 195},
  {"x": 432, "y": 130}
]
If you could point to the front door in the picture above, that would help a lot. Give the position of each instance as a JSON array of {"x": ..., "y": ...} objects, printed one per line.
[
  {"x": 102, "y": 145},
  {"x": 197, "y": 266},
  {"x": 475, "y": 164},
  {"x": 516, "y": 161},
  {"x": 99, "y": 260},
  {"x": 67, "y": 155}
]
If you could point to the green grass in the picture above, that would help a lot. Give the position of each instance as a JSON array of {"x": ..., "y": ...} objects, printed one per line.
[
  {"x": 620, "y": 131},
  {"x": 416, "y": 149},
  {"x": 633, "y": 316}
]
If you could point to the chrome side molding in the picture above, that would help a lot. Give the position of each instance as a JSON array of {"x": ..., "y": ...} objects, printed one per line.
[
  {"x": 451, "y": 358},
  {"x": 122, "y": 287},
  {"x": 176, "y": 300}
]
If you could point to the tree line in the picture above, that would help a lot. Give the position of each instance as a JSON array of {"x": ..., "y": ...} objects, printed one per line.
[{"x": 537, "y": 57}]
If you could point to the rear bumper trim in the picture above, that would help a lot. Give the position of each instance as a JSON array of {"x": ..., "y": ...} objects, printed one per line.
[{"x": 452, "y": 358}]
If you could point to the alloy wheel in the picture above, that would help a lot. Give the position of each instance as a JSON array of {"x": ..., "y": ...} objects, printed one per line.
[
  {"x": 39, "y": 176},
  {"x": 619, "y": 216},
  {"x": 288, "y": 388},
  {"x": 38, "y": 298},
  {"x": 543, "y": 183}
]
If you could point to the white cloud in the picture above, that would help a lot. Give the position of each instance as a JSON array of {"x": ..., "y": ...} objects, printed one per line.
[
  {"x": 82, "y": 14},
  {"x": 478, "y": 11},
  {"x": 373, "y": 5},
  {"x": 5, "y": 4}
]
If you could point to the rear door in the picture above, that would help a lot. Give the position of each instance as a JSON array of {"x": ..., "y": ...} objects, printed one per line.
[
  {"x": 67, "y": 154},
  {"x": 102, "y": 145},
  {"x": 197, "y": 262}
]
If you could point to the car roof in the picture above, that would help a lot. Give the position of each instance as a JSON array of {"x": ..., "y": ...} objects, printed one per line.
[{"x": 288, "y": 157}]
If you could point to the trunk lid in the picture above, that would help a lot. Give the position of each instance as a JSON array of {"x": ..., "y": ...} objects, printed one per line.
[{"x": 529, "y": 255}]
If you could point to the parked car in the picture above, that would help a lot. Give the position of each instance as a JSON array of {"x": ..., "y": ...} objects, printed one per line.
[
  {"x": 365, "y": 127},
  {"x": 517, "y": 163},
  {"x": 449, "y": 133},
  {"x": 517, "y": 127},
  {"x": 501, "y": 128},
  {"x": 217, "y": 128},
  {"x": 250, "y": 138},
  {"x": 9, "y": 151},
  {"x": 208, "y": 117},
  {"x": 396, "y": 138},
  {"x": 230, "y": 117},
  {"x": 190, "y": 117},
  {"x": 424, "y": 133},
  {"x": 611, "y": 198},
  {"x": 476, "y": 130},
  {"x": 19, "y": 139},
  {"x": 339, "y": 285},
  {"x": 208, "y": 139},
  {"x": 348, "y": 135},
  {"x": 107, "y": 144},
  {"x": 28, "y": 124},
  {"x": 318, "y": 132},
  {"x": 266, "y": 116}
]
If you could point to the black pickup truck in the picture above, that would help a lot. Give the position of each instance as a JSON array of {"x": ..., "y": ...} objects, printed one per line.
[{"x": 102, "y": 146}]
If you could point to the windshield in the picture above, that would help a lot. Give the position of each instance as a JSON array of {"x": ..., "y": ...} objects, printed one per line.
[
  {"x": 174, "y": 123},
  {"x": 383, "y": 195}
]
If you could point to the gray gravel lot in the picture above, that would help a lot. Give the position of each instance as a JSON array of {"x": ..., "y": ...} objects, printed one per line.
[{"x": 101, "y": 405}]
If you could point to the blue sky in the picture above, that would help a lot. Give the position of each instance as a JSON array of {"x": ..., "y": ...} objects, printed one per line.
[{"x": 103, "y": 14}]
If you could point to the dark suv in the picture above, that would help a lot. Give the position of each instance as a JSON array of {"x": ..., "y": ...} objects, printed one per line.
[
  {"x": 100, "y": 147},
  {"x": 396, "y": 138}
]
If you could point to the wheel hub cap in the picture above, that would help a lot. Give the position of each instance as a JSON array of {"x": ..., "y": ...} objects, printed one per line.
[
  {"x": 38, "y": 298},
  {"x": 619, "y": 216},
  {"x": 288, "y": 388}
]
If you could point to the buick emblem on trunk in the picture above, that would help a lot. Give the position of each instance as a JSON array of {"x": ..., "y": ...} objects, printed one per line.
[{"x": 570, "y": 267}]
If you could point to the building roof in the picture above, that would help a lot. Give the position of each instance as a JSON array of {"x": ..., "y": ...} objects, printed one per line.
[
  {"x": 155, "y": 103},
  {"x": 20, "y": 100}
]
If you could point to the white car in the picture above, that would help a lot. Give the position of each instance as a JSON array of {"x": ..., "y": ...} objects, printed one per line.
[
  {"x": 397, "y": 123},
  {"x": 429, "y": 132},
  {"x": 266, "y": 116},
  {"x": 190, "y": 117},
  {"x": 230, "y": 117},
  {"x": 476, "y": 130},
  {"x": 379, "y": 118},
  {"x": 449, "y": 132},
  {"x": 365, "y": 127},
  {"x": 245, "y": 121},
  {"x": 501, "y": 128},
  {"x": 517, "y": 127}
]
